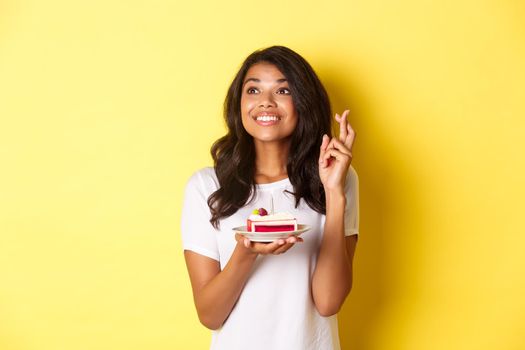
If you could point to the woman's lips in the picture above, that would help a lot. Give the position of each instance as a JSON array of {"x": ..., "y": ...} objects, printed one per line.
[{"x": 267, "y": 120}]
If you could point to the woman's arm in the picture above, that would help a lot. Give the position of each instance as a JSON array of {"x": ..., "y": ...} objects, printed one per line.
[
  {"x": 332, "y": 278},
  {"x": 215, "y": 292}
]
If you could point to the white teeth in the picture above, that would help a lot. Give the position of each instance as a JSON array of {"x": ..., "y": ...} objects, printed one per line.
[{"x": 267, "y": 118}]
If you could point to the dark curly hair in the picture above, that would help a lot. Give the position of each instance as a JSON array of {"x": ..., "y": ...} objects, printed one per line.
[{"x": 234, "y": 153}]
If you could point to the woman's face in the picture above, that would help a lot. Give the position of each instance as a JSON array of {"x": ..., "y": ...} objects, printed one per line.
[{"x": 267, "y": 109}]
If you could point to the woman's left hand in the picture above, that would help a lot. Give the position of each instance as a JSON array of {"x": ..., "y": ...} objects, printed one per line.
[{"x": 336, "y": 155}]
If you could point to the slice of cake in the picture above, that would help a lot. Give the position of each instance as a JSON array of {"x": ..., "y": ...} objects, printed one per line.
[{"x": 260, "y": 221}]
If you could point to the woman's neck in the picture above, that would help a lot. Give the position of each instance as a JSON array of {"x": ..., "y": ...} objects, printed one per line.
[{"x": 270, "y": 161}]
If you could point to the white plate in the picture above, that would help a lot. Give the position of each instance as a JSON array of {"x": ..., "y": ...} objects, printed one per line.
[{"x": 269, "y": 236}]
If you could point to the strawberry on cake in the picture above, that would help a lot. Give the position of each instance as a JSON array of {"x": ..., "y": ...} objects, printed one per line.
[{"x": 261, "y": 221}]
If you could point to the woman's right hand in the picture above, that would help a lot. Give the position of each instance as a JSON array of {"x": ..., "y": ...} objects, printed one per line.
[{"x": 276, "y": 247}]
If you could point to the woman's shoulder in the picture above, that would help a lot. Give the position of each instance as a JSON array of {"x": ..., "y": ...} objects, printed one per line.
[
  {"x": 352, "y": 179},
  {"x": 352, "y": 173},
  {"x": 204, "y": 173},
  {"x": 204, "y": 179}
]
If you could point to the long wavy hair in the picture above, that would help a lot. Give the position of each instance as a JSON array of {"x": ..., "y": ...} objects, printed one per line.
[{"x": 234, "y": 153}]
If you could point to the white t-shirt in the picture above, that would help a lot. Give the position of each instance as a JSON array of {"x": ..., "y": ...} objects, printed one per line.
[{"x": 275, "y": 309}]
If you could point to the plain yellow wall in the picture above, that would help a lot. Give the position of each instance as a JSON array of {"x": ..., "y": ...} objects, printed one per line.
[{"x": 107, "y": 107}]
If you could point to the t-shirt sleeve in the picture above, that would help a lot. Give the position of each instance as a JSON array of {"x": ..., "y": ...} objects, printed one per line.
[
  {"x": 352, "y": 203},
  {"x": 198, "y": 235}
]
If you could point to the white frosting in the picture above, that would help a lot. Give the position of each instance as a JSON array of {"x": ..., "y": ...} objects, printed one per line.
[{"x": 274, "y": 217}]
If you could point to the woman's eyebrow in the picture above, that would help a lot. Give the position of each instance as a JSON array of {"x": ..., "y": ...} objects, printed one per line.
[{"x": 282, "y": 80}]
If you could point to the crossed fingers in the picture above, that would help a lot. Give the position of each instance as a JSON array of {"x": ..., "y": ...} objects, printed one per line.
[
  {"x": 346, "y": 133},
  {"x": 338, "y": 148},
  {"x": 334, "y": 149}
]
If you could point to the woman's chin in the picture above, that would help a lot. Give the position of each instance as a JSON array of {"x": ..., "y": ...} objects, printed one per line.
[{"x": 270, "y": 139}]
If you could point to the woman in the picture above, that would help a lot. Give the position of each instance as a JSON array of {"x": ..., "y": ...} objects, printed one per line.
[{"x": 284, "y": 294}]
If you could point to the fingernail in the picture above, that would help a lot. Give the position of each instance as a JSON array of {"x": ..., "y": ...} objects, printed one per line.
[
  {"x": 247, "y": 243},
  {"x": 281, "y": 242}
]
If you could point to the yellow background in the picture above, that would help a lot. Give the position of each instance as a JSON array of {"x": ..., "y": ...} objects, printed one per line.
[{"x": 107, "y": 107}]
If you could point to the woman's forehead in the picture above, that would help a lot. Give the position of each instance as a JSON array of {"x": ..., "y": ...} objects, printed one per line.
[{"x": 264, "y": 72}]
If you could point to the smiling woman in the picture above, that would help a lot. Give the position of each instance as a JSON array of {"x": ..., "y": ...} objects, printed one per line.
[
  {"x": 267, "y": 109},
  {"x": 237, "y": 163},
  {"x": 278, "y": 150}
]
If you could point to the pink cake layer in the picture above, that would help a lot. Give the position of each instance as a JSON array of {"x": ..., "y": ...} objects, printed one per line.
[
  {"x": 277, "y": 228},
  {"x": 269, "y": 226}
]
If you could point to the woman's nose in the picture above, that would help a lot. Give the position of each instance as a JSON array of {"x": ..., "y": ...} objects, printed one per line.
[{"x": 266, "y": 100}]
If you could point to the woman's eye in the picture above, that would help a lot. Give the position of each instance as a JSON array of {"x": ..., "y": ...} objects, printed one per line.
[
  {"x": 251, "y": 90},
  {"x": 284, "y": 91}
]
